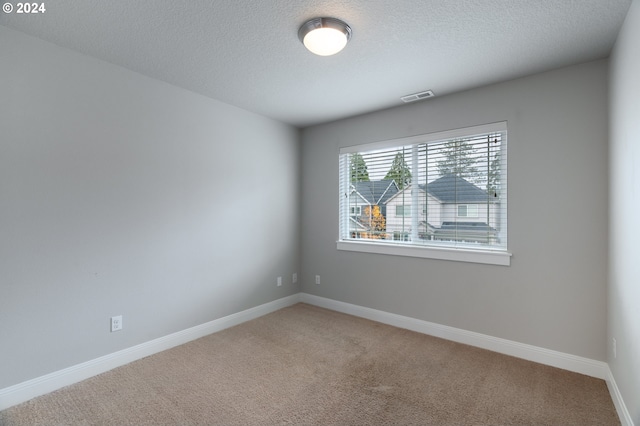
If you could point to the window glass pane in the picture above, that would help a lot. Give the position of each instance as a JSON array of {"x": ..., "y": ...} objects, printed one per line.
[
  {"x": 450, "y": 192},
  {"x": 403, "y": 210}
]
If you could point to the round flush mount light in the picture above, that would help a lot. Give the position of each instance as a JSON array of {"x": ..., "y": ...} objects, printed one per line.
[{"x": 324, "y": 36}]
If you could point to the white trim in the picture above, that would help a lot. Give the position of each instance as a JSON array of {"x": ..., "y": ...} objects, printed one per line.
[
  {"x": 500, "y": 126},
  {"x": 25, "y": 391},
  {"x": 500, "y": 258},
  {"x": 544, "y": 356},
  {"x": 616, "y": 396}
]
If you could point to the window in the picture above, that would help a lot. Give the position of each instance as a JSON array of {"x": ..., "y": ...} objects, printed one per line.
[
  {"x": 457, "y": 181},
  {"x": 470, "y": 210},
  {"x": 401, "y": 236},
  {"x": 403, "y": 210},
  {"x": 355, "y": 210}
]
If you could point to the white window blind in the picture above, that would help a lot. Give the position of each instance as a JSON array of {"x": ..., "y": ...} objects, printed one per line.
[{"x": 445, "y": 189}]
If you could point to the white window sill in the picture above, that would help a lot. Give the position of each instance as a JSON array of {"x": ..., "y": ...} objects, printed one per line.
[{"x": 442, "y": 253}]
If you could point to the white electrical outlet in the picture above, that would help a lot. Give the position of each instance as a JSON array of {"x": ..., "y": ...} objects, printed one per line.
[
  {"x": 615, "y": 349},
  {"x": 317, "y": 279},
  {"x": 294, "y": 277},
  {"x": 279, "y": 281},
  {"x": 116, "y": 323}
]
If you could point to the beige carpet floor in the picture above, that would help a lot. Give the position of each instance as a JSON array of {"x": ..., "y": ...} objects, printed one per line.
[{"x": 305, "y": 365}]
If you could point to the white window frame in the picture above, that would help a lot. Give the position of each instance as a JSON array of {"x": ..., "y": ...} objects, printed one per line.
[
  {"x": 355, "y": 210},
  {"x": 485, "y": 254}
]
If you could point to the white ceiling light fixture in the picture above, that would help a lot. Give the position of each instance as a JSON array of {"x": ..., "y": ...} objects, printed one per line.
[{"x": 324, "y": 36}]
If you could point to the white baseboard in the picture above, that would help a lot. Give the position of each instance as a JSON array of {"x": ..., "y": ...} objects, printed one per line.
[
  {"x": 549, "y": 357},
  {"x": 586, "y": 366},
  {"x": 25, "y": 391},
  {"x": 616, "y": 396}
]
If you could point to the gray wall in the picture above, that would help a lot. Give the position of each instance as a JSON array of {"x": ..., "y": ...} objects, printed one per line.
[
  {"x": 624, "y": 254},
  {"x": 554, "y": 293},
  {"x": 124, "y": 195}
]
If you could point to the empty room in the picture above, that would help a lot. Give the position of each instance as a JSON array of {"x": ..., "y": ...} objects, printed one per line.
[{"x": 357, "y": 212}]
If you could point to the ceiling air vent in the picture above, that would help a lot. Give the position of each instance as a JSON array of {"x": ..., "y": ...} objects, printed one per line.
[{"x": 417, "y": 96}]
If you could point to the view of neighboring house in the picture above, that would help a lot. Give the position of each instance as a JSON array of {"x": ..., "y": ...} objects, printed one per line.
[
  {"x": 364, "y": 196},
  {"x": 449, "y": 208}
]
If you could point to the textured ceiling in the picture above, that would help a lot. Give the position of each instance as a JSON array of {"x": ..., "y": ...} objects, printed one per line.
[{"x": 246, "y": 52}]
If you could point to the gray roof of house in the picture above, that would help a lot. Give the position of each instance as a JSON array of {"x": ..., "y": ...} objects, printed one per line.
[
  {"x": 454, "y": 189},
  {"x": 376, "y": 192}
]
